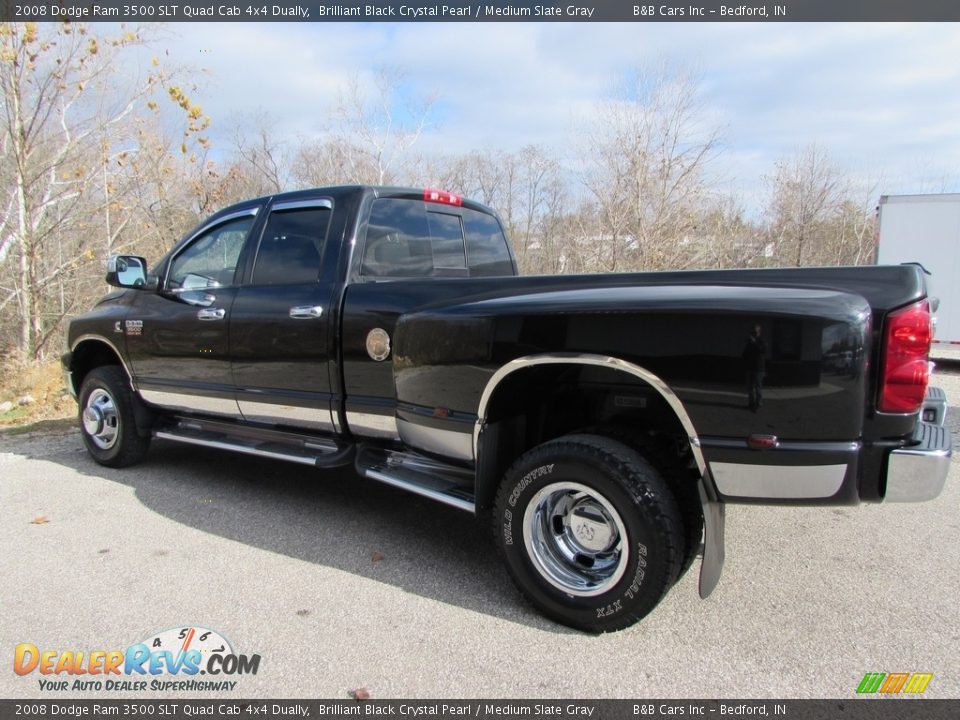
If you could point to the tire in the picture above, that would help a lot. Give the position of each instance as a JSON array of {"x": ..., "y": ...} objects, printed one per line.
[
  {"x": 107, "y": 418},
  {"x": 589, "y": 532},
  {"x": 659, "y": 453}
]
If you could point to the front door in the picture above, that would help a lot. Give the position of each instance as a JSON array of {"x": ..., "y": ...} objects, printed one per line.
[{"x": 177, "y": 337}]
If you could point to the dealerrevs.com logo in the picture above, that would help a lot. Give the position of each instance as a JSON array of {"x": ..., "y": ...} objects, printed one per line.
[{"x": 172, "y": 660}]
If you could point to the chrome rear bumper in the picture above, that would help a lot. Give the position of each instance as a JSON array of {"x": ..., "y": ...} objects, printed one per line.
[{"x": 917, "y": 472}]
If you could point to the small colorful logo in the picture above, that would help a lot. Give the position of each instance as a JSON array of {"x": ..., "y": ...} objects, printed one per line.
[
  {"x": 894, "y": 683},
  {"x": 168, "y": 660}
]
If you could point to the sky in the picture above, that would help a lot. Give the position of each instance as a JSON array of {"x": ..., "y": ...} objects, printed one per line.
[{"x": 882, "y": 99}]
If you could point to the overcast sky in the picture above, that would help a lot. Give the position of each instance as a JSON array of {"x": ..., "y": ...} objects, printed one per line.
[{"x": 883, "y": 99}]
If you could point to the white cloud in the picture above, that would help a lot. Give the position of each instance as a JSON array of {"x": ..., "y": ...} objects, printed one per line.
[{"x": 882, "y": 98}]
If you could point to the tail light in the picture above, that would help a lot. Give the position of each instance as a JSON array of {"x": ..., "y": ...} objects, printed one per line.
[
  {"x": 442, "y": 197},
  {"x": 906, "y": 359}
]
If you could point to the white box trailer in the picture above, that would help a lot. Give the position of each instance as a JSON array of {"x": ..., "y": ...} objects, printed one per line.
[{"x": 926, "y": 229}]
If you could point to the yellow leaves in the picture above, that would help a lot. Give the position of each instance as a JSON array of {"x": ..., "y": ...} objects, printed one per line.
[
  {"x": 152, "y": 105},
  {"x": 183, "y": 148},
  {"x": 195, "y": 112},
  {"x": 89, "y": 255},
  {"x": 92, "y": 46},
  {"x": 29, "y": 33},
  {"x": 155, "y": 61},
  {"x": 179, "y": 97}
]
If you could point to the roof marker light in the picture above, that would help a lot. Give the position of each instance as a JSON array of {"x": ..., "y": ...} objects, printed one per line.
[{"x": 442, "y": 196}]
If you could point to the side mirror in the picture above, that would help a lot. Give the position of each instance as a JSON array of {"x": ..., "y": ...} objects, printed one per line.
[{"x": 127, "y": 271}]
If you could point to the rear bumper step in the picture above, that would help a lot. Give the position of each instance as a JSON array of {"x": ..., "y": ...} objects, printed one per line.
[
  {"x": 934, "y": 406},
  {"x": 917, "y": 472}
]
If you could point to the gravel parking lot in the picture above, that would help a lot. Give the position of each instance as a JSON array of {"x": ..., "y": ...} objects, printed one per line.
[{"x": 338, "y": 583}]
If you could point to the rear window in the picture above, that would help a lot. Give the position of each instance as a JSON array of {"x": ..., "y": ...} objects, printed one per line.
[
  {"x": 487, "y": 248},
  {"x": 410, "y": 238}
]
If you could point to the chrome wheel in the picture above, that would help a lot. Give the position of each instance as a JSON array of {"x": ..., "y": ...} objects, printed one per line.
[
  {"x": 100, "y": 420},
  {"x": 576, "y": 539}
]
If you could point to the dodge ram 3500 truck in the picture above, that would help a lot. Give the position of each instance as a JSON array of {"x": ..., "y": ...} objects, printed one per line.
[{"x": 601, "y": 423}]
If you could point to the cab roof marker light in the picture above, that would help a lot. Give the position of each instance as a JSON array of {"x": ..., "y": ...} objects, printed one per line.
[{"x": 442, "y": 196}]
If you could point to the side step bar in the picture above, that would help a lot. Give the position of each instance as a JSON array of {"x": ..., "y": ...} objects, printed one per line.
[
  {"x": 263, "y": 442},
  {"x": 449, "y": 484}
]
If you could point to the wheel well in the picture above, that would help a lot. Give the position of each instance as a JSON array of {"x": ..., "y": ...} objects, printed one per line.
[
  {"x": 538, "y": 403},
  {"x": 88, "y": 355}
]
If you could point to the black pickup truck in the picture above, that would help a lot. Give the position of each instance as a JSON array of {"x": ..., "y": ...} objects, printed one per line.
[{"x": 600, "y": 423}]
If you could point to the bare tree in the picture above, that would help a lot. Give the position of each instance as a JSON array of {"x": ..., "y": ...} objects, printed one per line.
[
  {"x": 807, "y": 193},
  {"x": 371, "y": 136},
  {"x": 643, "y": 167}
]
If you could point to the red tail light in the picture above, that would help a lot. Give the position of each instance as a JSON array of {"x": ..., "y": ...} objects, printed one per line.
[
  {"x": 442, "y": 197},
  {"x": 906, "y": 367}
]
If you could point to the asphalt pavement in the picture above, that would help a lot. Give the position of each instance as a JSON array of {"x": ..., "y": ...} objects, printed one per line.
[{"x": 339, "y": 583}]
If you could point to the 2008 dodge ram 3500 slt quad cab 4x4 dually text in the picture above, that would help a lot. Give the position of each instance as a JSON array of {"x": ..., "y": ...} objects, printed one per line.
[{"x": 600, "y": 422}]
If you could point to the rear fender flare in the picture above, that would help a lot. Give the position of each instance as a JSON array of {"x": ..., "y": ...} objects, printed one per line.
[{"x": 713, "y": 509}]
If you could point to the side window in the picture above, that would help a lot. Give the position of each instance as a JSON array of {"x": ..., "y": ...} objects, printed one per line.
[
  {"x": 211, "y": 259},
  {"x": 291, "y": 246},
  {"x": 487, "y": 248},
  {"x": 404, "y": 241}
]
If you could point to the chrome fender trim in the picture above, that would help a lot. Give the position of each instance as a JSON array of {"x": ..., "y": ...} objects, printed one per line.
[
  {"x": 99, "y": 338},
  {"x": 713, "y": 509}
]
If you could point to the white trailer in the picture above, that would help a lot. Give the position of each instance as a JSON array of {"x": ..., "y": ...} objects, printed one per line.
[{"x": 926, "y": 229}]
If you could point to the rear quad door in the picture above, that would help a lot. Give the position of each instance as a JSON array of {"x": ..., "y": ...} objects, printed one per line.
[
  {"x": 411, "y": 253},
  {"x": 177, "y": 337},
  {"x": 280, "y": 324}
]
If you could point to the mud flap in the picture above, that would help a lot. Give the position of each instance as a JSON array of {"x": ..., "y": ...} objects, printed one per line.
[{"x": 714, "y": 519}]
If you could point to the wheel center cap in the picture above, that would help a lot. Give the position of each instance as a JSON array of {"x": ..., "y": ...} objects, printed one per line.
[
  {"x": 92, "y": 420},
  {"x": 590, "y": 528}
]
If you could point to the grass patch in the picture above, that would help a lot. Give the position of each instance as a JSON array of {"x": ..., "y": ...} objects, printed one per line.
[{"x": 41, "y": 381}]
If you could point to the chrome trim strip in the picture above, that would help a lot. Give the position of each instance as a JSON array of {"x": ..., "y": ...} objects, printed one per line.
[
  {"x": 244, "y": 449},
  {"x": 192, "y": 403},
  {"x": 780, "y": 482},
  {"x": 335, "y": 419},
  {"x": 297, "y": 204},
  {"x": 372, "y": 425},
  {"x": 420, "y": 490},
  {"x": 314, "y": 418},
  {"x": 448, "y": 443},
  {"x": 601, "y": 361},
  {"x": 100, "y": 338}
]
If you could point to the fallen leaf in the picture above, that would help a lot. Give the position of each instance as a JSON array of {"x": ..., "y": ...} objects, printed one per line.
[
  {"x": 360, "y": 693},
  {"x": 377, "y": 556},
  {"x": 40, "y": 520}
]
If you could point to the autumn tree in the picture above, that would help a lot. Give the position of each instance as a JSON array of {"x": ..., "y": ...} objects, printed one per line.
[{"x": 68, "y": 141}]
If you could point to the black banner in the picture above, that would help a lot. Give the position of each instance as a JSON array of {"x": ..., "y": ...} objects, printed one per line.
[
  {"x": 852, "y": 709},
  {"x": 495, "y": 11}
]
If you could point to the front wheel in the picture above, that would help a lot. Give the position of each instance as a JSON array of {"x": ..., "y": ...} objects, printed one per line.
[
  {"x": 589, "y": 531},
  {"x": 107, "y": 418}
]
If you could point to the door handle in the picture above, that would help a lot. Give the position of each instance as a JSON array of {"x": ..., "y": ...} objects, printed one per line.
[
  {"x": 211, "y": 314},
  {"x": 305, "y": 312}
]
